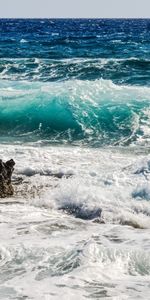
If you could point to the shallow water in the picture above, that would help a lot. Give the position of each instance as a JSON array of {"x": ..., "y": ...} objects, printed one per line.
[{"x": 63, "y": 256}]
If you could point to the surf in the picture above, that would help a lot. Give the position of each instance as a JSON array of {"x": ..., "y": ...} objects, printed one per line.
[
  {"x": 118, "y": 70},
  {"x": 92, "y": 113}
]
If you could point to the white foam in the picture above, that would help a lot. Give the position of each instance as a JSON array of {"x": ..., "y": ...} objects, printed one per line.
[
  {"x": 23, "y": 41},
  {"x": 50, "y": 245}
]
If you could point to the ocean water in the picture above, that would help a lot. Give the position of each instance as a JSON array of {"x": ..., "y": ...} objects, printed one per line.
[{"x": 75, "y": 117}]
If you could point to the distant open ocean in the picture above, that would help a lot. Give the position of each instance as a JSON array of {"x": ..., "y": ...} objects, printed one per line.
[{"x": 75, "y": 117}]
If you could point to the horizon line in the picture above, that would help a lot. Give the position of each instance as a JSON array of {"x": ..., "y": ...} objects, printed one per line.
[{"x": 76, "y": 18}]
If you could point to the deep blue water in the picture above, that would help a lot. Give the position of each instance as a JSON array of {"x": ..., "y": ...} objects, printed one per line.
[
  {"x": 73, "y": 80},
  {"x": 125, "y": 44}
]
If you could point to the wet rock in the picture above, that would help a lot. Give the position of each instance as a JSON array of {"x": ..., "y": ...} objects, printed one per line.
[
  {"x": 82, "y": 212},
  {"x": 6, "y": 170}
]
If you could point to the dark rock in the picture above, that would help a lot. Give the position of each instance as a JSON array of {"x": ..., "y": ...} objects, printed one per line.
[
  {"x": 6, "y": 170},
  {"x": 82, "y": 212}
]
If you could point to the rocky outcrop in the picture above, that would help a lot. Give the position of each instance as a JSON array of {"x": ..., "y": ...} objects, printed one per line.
[{"x": 6, "y": 170}]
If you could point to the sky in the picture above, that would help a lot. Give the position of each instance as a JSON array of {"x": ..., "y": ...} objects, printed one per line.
[{"x": 74, "y": 8}]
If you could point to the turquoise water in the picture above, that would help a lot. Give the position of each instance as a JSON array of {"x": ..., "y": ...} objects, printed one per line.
[{"x": 92, "y": 113}]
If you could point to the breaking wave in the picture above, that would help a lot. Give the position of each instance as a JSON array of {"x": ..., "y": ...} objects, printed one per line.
[
  {"x": 50, "y": 70},
  {"x": 91, "y": 113}
]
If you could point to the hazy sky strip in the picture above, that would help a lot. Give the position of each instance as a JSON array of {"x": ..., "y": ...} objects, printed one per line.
[{"x": 75, "y": 8}]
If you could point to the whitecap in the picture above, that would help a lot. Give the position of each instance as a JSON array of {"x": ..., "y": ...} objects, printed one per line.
[{"x": 23, "y": 41}]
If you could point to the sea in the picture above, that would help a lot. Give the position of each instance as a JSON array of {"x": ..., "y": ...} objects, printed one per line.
[{"x": 75, "y": 117}]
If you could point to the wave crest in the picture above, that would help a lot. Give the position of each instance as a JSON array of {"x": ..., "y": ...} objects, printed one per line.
[{"x": 88, "y": 112}]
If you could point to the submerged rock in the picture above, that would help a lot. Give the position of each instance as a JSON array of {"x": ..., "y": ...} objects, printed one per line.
[
  {"x": 6, "y": 170},
  {"x": 82, "y": 212}
]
